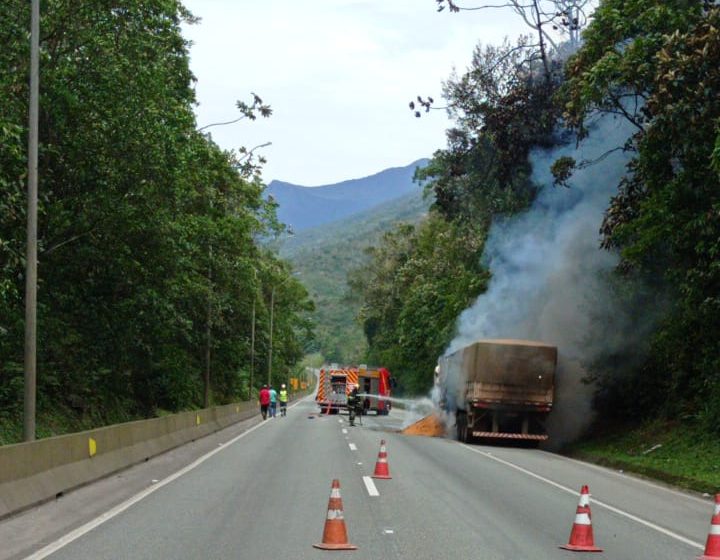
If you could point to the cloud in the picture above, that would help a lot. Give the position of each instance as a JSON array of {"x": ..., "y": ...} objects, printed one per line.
[{"x": 338, "y": 74}]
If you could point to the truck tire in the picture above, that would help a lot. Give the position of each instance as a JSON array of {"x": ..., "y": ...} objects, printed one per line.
[{"x": 462, "y": 427}]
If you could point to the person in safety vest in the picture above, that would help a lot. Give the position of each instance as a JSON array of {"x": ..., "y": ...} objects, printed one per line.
[
  {"x": 264, "y": 401},
  {"x": 283, "y": 398}
]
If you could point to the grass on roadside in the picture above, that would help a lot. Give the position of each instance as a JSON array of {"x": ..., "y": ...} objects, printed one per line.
[{"x": 678, "y": 454}]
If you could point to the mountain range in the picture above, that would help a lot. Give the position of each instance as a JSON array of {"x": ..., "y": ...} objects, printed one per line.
[
  {"x": 302, "y": 207},
  {"x": 324, "y": 255}
]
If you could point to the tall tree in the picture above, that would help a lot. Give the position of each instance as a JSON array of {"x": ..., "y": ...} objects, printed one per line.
[
  {"x": 655, "y": 64},
  {"x": 548, "y": 18},
  {"x": 149, "y": 232}
]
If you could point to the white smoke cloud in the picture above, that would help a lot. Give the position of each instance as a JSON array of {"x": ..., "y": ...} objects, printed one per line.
[{"x": 548, "y": 273}]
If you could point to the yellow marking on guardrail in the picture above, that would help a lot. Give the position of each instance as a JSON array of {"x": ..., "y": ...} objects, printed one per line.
[
  {"x": 237, "y": 409},
  {"x": 197, "y": 419},
  {"x": 92, "y": 447}
]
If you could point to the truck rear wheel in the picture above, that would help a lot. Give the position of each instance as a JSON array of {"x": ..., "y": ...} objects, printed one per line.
[{"x": 463, "y": 434}]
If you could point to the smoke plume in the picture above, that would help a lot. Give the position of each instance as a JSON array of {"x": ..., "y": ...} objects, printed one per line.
[{"x": 549, "y": 274}]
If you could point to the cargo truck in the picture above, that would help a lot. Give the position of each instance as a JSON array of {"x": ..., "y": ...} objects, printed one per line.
[{"x": 499, "y": 389}]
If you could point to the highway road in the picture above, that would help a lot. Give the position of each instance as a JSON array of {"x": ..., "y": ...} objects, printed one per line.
[{"x": 260, "y": 491}]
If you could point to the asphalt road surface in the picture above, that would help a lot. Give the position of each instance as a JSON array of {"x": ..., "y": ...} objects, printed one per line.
[{"x": 262, "y": 493}]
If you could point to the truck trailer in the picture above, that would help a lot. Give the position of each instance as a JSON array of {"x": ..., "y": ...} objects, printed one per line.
[{"x": 499, "y": 389}]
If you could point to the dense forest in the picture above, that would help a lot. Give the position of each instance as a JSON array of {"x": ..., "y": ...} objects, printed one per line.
[
  {"x": 153, "y": 266},
  {"x": 653, "y": 66},
  {"x": 154, "y": 261},
  {"x": 324, "y": 257}
]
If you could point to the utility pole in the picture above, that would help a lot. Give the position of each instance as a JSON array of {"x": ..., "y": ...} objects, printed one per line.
[
  {"x": 272, "y": 309},
  {"x": 252, "y": 341},
  {"x": 208, "y": 335},
  {"x": 31, "y": 254},
  {"x": 208, "y": 321}
]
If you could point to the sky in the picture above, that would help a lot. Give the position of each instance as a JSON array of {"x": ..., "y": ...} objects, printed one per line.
[{"x": 338, "y": 74}]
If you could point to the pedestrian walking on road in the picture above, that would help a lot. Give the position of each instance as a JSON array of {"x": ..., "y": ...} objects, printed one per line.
[
  {"x": 273, "y": 402},
  {"x": 283, "y": 396},
  {"x": 264, "y": 401}
]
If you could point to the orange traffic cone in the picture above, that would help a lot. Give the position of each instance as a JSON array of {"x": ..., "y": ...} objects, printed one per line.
[
  {"x": 382, "y": 470},
  {"x": 712, "y": 546},
  {"x": 335, "y": 534},
  {"x": 581, "y": 535}
]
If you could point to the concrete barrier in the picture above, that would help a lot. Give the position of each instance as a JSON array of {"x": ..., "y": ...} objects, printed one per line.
[{"x": 37, "y": 471}]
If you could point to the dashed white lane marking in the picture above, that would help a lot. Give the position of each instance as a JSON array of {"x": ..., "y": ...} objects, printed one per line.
[
  {"x": 370, "y": 485},
  {"x": 608, "y": 507},
  {"x": 118, "y": 509},
  {"x": 389, "y": 531},
  {"x": 340, "y": 420},
  {"x": 352, "y": 446},
  {"x": 344, "y": 430}
]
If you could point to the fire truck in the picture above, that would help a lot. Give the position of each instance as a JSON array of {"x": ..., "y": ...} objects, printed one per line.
[
  {"x": 336, "y": 382},
  {"x": 376, "y": 384}
]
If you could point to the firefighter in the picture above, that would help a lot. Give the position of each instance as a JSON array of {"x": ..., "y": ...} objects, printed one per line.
[{"x": 354, "y": 404}]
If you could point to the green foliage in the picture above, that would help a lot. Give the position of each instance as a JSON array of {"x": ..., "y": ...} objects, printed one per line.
[
  {"x": 617, "y": 61},
  {"x": 503, "y": 107},
  {"x": 418, "y": 281},
  {"x": 676, "y": 453},
  {"x": 654, "y": 63},
  {"x": 562, "y": 170},
  {"x": 147, "y": 230},
  {"x": 421, "y": 278},
  {"x": 665, "y": 219},
  {"x": 325, "y": 258}
]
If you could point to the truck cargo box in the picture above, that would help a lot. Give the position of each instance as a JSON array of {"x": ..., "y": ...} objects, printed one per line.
[
  {"x": 511, "y": 371},
  {"x": 501, "y": 388}
]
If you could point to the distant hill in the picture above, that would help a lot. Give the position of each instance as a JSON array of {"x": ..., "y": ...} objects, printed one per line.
[
  {"x": 324, "y": 256},
  {"x": 307, "y": 207}
]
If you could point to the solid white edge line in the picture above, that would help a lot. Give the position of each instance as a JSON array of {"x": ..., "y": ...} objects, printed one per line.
[
  {"x": 628, "y": 475},
  {"x": 352, "y": 446},
  {"x": 370, "y": 486},
  {"x": 118, "y": 509},
  {"x": 594, "y": 501}
]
